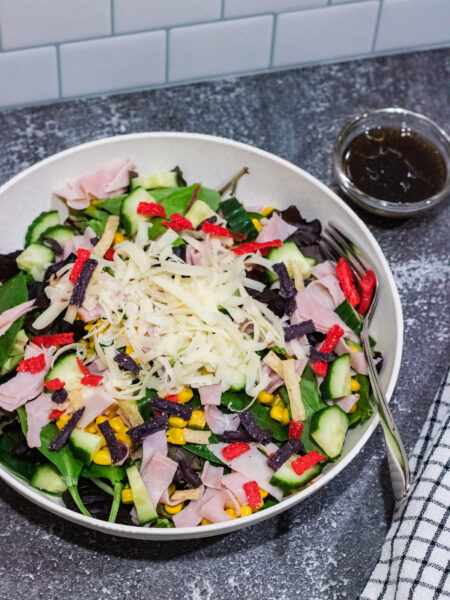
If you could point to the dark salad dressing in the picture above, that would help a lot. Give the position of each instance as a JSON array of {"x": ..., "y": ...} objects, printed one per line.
[{"x": 397, "y": 165}]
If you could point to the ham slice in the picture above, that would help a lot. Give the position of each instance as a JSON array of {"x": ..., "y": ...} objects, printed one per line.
[
  {"x": 213, "y": 510},
  {"x": 192, "y": 256},
  {"x": 275, "y": 380},
  {"x": 94, "y": 405},
  {"x": 327, "y": 291},
  {"x": 24, "y": 386},
  {"x": 38, "y": 412},
  {"x": 158, "y": 475},
  {"x": 275, "y": 229},
  {"x": 8, "y": 317},
  {"x": 111, "y": 180},
  {"x": 323, "y": 269},
  {"x": 190, "y": 516},
  {"x": 253, "y": 465},
  {"x": 323, "y": 318},
  {"x": 347, "y": 402},
  {"x": 357, "y": 359},
  {"x": 234, "y": 482},
  {"x": 212, "y": 476},
  {"x": 219, "y": 422},
  {"x": 210, "y": 394},
  {"x": 155, "y": 443},
  {"x": 79, "y": 241}
]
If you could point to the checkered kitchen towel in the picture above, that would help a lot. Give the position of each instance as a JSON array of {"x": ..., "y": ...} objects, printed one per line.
[{"x": 415, "y": 559}]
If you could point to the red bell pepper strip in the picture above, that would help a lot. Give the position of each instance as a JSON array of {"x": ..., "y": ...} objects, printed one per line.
[
  {"x": 151, "y": 209},
  {"x": 178, "y": 222},
  {"x": 54, "y": 384},
  {"x": 346, "y": 279},
  {"x": 217, "y": 230},
  {"x": 82, "y": 367},
  {"x": 255, "y": 246},
  {"x": 58, "y": 339},
  {"x": 82, "y": 256},
  {"x": 367, "y": 284},
  {"x": 234, "y": 450},
  {"x": 109, "y": 254},
  {"x": 36, "y": 364},
  {"x": 333, "y": 336},
  {"x": 91, "y": 380},
  {"x": 295, "y": 430},
  {"x": 303, "y": 463},
  {"x": 55, "y": 414},
  {"x": 172, "y": 398},
  {"x": 251, "y": 489}
]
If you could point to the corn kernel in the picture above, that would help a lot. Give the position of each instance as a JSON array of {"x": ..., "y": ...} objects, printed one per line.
[
  {"x": 353, "y": 408},
  {"x": 286, "y": 419},
  {"x": 264, "y": 493},
  {"x": 129, "y": 350},
  {"x": 123, "y": 437},
  {"x": 89, "y": 326},
  {"x": 101, "y": 419},
  {"x": 197, "y": 419},
  {"x": 127, "y": 496},
  {"x": 173, "y": 510},
  {"x": 103, "y": 457},
  {"x": 246, "y": 511},
  {"x": 118, "y": 425},
  {"x": 177, "y": 422},
  {"x": 231, "y": 512},
  {"x": 267, "y": 211},
  {"x": 63, "y": 419},
  {"x": 118, "y": 238},
  {"x": 354, "y": 385},
  {"x": 276, "y": 412},
  {"x": 265, "y": 398},
  {"x": 354, "y": 348},
  {"x": 205, "y": 522},
  {"x": 257, "y": 224},
  {"x": 277, "y": 401},
  {"x": 176, "y": 436},
  {"x": 185, "y": 395},
  {"x": 91, "y": 429}
]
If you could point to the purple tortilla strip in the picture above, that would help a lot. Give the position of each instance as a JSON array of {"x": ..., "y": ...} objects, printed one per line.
[
  {"x": 292, "y": 446},
  {"x": 117, "y": 449},
  {"x": 229, "y": 437},
  {"x": 299, "y": 330},
  {"x": 55, "y": 267},
  {"x": 141, "y": 431},
  {"x": 287, "y": 287},
  {"x": 172, "y": 408},
  {"x": 59, "y": 396},
  {"x": 185, "y": 473},
  {"x": 326, "y": 357},
  {"x": 263, "y": 436},
  {"x": 82, "y": 282},
  {"x": 53, "y": 245},
  {"x": 127, "y": 363},
  {"x": 63, "y": 436}
]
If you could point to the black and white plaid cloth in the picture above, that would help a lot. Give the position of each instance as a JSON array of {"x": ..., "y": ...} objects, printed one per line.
[{"x": 415, "y": 559}]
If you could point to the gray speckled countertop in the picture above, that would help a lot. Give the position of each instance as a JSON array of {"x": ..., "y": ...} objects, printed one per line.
[{"x": 325, "y": 548}]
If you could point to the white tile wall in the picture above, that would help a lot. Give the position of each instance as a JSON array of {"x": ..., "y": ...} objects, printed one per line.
[
  {"x": 136, "y": 15},
  {"x": 38, "y": 22},
  {"x": 28, "y": 76},
  {"x": 325, "y": 33},
  {"x": 220, "y": 48},
  {"x": 407, "y": 23},
  {"x": 71, "y": 48},
  {"x": 240, "y": 8},
  {"x": 128, "y": 61}
]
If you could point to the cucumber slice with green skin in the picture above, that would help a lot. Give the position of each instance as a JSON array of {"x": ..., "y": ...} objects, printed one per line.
[
  {"x": 350, "y": 317},
  {"x": 337, "y": 381},
  {"x": 40, "y": 224},
  {"x": 59, "y": 233},
  {"x": 199, "y": 212},
  {"x": 35, "y": 259},
  {"x": 66, "y": 369},
  {"x": 311, "y": 261},
  {"x": 289, "y": 253},
  {"x": 144, "y": 506},
  {"x": 328, "y": 429},
  {"x": 48, "y": 479},
  {"x": 157, "y": 180},
  {"x": 287, "y": 479},
  {"x": 237, "y": 218},
  {"x": 234, "y": 378},
  {"x": 84, "y": 445},
  {"x": 128, "y": 212}
]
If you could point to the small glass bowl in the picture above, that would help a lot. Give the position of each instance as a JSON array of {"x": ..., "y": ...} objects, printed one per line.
[{"x": 395, "y": 118}]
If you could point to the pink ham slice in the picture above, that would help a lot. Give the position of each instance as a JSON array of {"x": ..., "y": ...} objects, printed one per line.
[
  {"x": 219, "y": 422},
  {"x": 234, "y": 482},
  {"x": 156, "y": 443},
  {"x": 192, "y": 256},
  {"x": 111, "y": 180},
  {"x": 157, "y": 476},
  {"x": 190, "y": 516},
  {"x": 210, "y": 394},
  {"x": 212, "y": 476},
  {"x": 275, "y": 229},
  {"x": 38, "y": 412},
  {"x": 327, "y": 291},
  {"x": 252, "y": 464},
  {"x": 324, "y": 269},
  {"x": 24, "y": 386},
  {"x": 8, "y": 317},
  {"x": 347, "y": 402},
  {"x": 357, "y": 359},
  {"x": 94, "y": 405},
  {"x": 79, "y": 241},
  {"x": 213, "y": 510},
  {"x": 322, "y": 317},
  {"x": 275, "y": 380}
]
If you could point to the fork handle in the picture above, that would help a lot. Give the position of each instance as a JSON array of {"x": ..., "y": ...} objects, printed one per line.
[{"x": 397, "y": 457}]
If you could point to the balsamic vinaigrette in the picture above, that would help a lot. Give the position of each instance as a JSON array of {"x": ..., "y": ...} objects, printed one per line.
[{"x": 396, "y": 165}]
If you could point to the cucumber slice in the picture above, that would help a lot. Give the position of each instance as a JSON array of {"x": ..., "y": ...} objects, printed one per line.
[
  {"x": 289, "y": 253},
  {"x": 337, "y": 382},
  {"x": 128, "y": 212},
  {"x": 328, "y": 429},
  {"x": 354, "y": 345},
  {"x": 84, "y": 445},
  {"x": 311, "y": 261},
  {"x": 48, "y": 479},
  {"x": 59, "y": 233},
  {"x": 66, "y": 369},
  {"x": 198, "y": 212},
  {"x": 144, "y": 506},
  {"x": 287, "y": 479},
  {"x": 157, "y": 180},
  {"x": 40, "y": 224},
  {"x": 35, "y": 259},
  {"x": 234, "y": 379},
  {"x": 350, "y": 317},
  {"x": 237, "y": 218}
]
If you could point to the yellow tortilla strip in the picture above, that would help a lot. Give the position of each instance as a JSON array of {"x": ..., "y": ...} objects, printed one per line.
[
  {"x": 196, "y": 437},
  {"x": 106, "y": 241},
  {"x": 298, "y": 277},
  {"x": 182, "y": 495},
  {"x": 292, "y": 382},
  {"x": 275, "y": 363}
]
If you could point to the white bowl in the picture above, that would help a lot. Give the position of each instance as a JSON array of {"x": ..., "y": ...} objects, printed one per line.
[{"x": 211, "y": 161}]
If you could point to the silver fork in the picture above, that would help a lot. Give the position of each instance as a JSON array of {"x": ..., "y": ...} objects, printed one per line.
[{"x": 336, "y": 245}]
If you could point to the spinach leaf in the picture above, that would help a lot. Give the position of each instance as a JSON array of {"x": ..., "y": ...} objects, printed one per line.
[
  {"x": 163, "y": 523},
  {"x": 98, "y": 220},
  {"x": 145, "y": 405},
  {"x": 364, "y": 409},
  {"x": 22, "y": 468},
  {"x": 209, "y": 197},
  {"x": 261, "y": 414},
  {"x": 310, "y": 392},
  {"x": 202, "y": 451},
  {"x": 234, "y": 401},
  {"x": 175, "y": 202},
  {"x": 12, "y": 293},
  {"x": 111, "y": 205}
]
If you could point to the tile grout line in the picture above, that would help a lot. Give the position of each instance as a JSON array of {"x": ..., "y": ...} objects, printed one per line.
[
  {"x": 272, "y": 45},
  {"x": 58, "y": 70},
  {"x": 377, "y": 25}
]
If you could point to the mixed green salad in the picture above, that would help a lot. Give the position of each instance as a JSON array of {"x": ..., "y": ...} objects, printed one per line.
[{"x": 171, "y": 356}]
